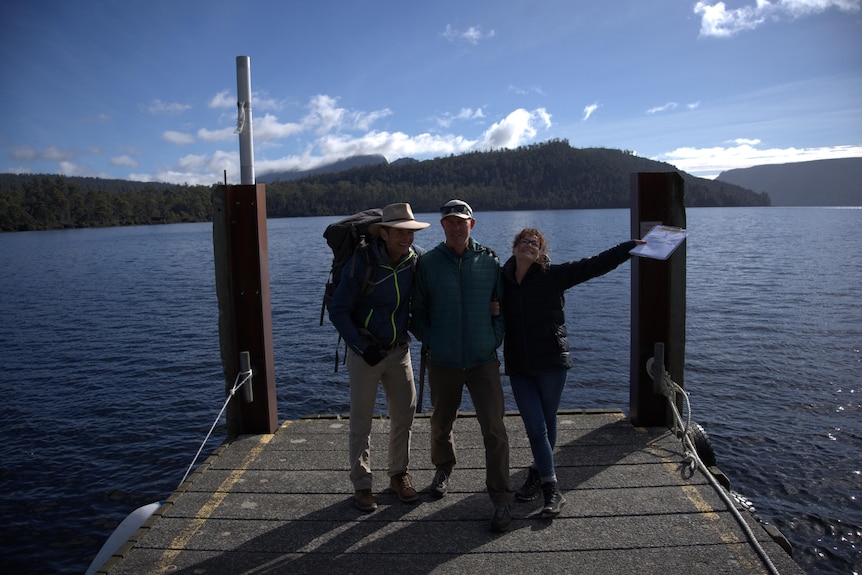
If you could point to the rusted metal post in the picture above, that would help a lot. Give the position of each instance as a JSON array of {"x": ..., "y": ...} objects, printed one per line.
[
  {"x": 658, "y": 296},
  {"x": 245, "y": 311}
]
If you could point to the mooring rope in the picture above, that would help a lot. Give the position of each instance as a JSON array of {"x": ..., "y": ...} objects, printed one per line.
[
  {"x": 238, "y": 383},
  {"x": 670, "y": 389}
]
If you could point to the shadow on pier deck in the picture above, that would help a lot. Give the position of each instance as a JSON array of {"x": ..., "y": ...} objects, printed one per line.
[{"x": 282, "y": 503}]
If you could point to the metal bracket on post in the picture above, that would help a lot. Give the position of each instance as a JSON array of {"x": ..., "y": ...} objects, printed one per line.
[
  {"x": 245, "y": 367},
  {"x": 658, "y": 368}
]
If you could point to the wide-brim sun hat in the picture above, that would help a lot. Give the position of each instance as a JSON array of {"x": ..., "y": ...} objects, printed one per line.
[
  {"x": 398, "y": 216},
  {"x": 457, "y": 208}
]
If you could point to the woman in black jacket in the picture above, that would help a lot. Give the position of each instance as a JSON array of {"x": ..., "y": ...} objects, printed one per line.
[{"x": 536, "y": 351}]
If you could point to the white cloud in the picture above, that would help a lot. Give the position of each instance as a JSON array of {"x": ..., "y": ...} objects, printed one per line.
[
  {"x": 223, "y": 99},
  {"x": 589, "y": 110},
  {"x": 124, "y": 161},
  {"x": 470, "y": 114},
  {"x": 393, "y": 145},
  {"x": 192, "y": 162},
  {"x": 516, "y": 129},
  {"x": 269, "y": 128},
  {"x": 709, "y": 162},
  {"x": 665, "y": 108},
  {"x": 72, "y": 169},
  {"x": 465, "y": 114},
  {"x": 63, "y": 158},
  {"x": 304, "y": 161},
  {"x": 24, "y": 154},
  {"x": 158, "y": 108},
  {"x": 364, "y": 120},
  {"x": 717, "y": 20},
  {"x": 338, "y": 133},
  {"x": 261, "y": 101},
  {"x": 526, "y": 91},
  {"x": 54, "y": 154},
  {"x": 175, "y": 137},
  {"x": 472, "y": 35},
  {"x": 222, "y": 135},
  {"x": 324, "y": 116}
]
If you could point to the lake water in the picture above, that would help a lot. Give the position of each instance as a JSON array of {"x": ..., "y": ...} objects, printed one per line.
[{"x": 112, "y": 375}]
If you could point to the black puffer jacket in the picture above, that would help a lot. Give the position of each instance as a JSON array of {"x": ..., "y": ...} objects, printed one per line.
[{"x": 536, "y": 336}]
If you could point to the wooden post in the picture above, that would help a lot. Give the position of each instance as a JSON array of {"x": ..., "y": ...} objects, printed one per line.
[
  {"x": 245, "y": 311},
  {"x": 658, "y": 296}
]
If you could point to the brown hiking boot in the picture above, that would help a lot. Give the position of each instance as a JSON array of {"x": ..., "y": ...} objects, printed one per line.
[
  {"x": 401, "y": 485},
  {"x": 364, "y": 500}
]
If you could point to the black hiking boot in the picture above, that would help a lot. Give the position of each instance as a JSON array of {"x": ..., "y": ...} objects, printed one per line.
[
  {"x": 554, "y": 500},
  {"x": 531, "y": 487},
  {"x": 440, "y": 484}
]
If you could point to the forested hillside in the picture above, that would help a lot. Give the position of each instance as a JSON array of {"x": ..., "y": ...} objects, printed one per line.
[
  {"x": 45, "y": 202},
  {"x": 552, "y": 175}
]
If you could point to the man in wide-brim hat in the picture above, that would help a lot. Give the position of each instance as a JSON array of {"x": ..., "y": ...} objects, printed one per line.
[
  {"x": 399, "y": 216},
  {"x": 370, "y": 309}
]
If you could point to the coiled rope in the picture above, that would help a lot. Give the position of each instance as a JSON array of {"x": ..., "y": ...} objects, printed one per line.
[
  {"x": 242, "y": 378},
  {"x": 670, "y": 389}
]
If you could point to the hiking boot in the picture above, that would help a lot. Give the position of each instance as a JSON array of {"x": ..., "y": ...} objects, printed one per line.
[
  {"x": 554, "y": 500},
  {"x": 440, "y": 484},
  {"x": 401, "y": 485},
  {"x": 531, "y": 486},
  {"x": 501, "y": 519},
  {"x": 364, "y": 500}
]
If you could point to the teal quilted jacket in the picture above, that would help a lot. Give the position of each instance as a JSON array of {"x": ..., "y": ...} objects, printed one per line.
[{"x": 451, "y": 306}]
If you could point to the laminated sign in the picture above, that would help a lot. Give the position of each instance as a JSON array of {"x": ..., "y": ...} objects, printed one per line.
[{"x": 661, "y": 241}]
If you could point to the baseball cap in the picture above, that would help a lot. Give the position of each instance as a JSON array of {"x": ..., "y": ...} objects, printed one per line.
[{"x": 458, "y": 208}]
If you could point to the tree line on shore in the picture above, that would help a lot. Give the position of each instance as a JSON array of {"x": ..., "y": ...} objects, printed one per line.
[{"x": 551, "y": 175}]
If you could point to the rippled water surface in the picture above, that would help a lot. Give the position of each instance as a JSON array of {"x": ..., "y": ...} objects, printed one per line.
[{"x": 112, "y": 375}]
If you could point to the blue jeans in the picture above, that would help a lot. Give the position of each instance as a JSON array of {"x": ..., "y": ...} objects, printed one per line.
[{"x": 538, "y": 399}]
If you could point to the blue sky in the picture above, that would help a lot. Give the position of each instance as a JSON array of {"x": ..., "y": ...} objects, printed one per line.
[{"x": 148, "y": 90}]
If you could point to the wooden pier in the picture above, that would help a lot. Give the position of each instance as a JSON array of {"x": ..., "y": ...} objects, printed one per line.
[{"x": 283, "y": 503}]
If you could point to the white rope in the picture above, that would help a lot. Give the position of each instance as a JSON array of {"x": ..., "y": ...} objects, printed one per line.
[
  {"x": 246, "y": 377},
  {"x": 670, "y": 389},
  {"x": 240, "y": 117}
]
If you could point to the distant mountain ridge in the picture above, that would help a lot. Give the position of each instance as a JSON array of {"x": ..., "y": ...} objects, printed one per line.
[
  {"x": 339, "y": 166},
  {"x": 835, "y": 182}
]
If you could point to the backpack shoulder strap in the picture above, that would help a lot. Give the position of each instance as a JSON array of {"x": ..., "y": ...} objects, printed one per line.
[{"x": 368, "y": 258}]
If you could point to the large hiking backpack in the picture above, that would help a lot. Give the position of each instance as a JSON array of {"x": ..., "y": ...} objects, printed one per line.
[{"x": 346, "y": 237}]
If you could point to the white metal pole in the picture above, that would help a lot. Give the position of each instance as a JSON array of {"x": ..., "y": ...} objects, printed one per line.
[{"x": 243, "y": 94}]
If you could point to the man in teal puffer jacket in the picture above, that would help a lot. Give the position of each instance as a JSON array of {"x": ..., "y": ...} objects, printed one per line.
[{"x": 452, "y": 314}]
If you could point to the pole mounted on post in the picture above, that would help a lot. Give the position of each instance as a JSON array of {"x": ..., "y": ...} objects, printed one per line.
[
  {"x": 243, "y": 122},
  {"x": 242, "y": 282}
]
